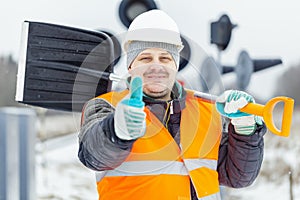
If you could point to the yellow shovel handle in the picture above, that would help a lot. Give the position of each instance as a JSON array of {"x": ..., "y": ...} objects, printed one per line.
[{"x": 266, "y": 111}]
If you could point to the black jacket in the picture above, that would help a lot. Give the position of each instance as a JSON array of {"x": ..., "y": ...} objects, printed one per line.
[{"x": 240, "y": 157}]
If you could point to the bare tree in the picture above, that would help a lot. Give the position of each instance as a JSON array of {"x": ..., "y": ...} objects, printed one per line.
[
  {"x": 8, "y": 76},
  {"x": 289, "y": 82}
]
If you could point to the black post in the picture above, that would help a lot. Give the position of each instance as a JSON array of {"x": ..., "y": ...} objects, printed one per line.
[{"x": 291, "y": 185}]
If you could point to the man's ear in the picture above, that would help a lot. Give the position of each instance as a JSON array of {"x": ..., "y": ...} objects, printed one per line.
[
  {"x": 129, "y": 67},
  {"x": 129, "y": 79}
]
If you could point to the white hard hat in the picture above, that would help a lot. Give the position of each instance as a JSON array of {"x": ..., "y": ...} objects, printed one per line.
[{"x": 154, "y": 26}]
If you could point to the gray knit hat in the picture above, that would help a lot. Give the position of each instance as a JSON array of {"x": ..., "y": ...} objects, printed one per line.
[{"x": 136, "y": 47}]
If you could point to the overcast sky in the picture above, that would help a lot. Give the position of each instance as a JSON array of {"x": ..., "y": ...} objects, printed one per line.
[{"x": 266, "y": 29}]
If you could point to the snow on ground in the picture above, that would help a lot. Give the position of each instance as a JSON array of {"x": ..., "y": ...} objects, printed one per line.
[{"x": 60, "y": 175}]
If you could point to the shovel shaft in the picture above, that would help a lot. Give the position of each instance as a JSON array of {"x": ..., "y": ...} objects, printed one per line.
[{"x": 254, "y": 109}]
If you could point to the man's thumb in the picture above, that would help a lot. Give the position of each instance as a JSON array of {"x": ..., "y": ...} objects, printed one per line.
[
  {"x": 136, "y": 93},
  {"x": 136, "y": 89}
]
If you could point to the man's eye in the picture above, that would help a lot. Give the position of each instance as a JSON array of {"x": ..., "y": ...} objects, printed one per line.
[
  {"x": 166, "y": 58},
  {"x": 144, "y": 58}
]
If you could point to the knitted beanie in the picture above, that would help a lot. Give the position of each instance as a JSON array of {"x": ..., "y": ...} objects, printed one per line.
[{"x": 136, "y": 47}]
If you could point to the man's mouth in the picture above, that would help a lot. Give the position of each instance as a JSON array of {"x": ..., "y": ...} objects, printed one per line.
[{"x": 156, "y": 76}]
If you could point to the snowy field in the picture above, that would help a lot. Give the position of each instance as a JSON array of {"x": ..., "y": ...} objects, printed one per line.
[{"x": 60, "y": 175}]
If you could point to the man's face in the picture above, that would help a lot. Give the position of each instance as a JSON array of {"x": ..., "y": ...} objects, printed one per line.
[{"x": 158, "y": 71}]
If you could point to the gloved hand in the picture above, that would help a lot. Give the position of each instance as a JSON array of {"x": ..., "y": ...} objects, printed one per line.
[
  {"x": 130, "y": 117},
  {"x": 229, "y": 103}
]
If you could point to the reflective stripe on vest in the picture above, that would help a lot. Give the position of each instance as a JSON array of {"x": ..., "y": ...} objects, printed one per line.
[
  {"x": 192, "y": 164},
  {"x": 157, "y": 163},
  {"x": 215, "y": 196},
  {"x": 137, "y": 168}
]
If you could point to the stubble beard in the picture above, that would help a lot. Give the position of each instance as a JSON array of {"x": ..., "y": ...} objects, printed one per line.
[{"x": 163, "y": 94}]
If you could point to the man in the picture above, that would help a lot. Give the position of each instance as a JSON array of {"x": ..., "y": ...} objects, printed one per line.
[{"x": 157, "y": 140}]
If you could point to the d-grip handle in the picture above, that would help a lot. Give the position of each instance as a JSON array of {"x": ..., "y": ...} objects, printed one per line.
[{"x": 266, "y": 111}]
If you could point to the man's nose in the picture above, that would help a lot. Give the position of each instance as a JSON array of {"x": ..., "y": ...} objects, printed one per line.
[
  {"x": 156, "y": 66},
  {"x": 156, "y": 60}
]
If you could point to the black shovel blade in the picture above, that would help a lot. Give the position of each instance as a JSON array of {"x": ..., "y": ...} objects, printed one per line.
[{"x": 62, "y": 67}]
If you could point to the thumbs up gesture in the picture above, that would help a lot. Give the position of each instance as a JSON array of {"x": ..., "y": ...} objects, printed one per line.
[{"x": 129, "y": 119}]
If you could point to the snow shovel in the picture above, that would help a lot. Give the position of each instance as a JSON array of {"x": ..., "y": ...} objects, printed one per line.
[{"x": 62, "y": 67}]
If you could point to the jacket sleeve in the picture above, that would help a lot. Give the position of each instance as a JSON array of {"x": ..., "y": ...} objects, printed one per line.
[
  {"x": 99, "y": 147},
  {"x": 240, "y": 157}
]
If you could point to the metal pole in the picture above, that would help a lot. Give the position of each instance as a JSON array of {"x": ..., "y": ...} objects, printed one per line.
[
  {"x": 219, "y": 61},
  {"x": 27, "y": 135},
  {"x": 17, "y": 143},
  {"x": 9, "y": 173},
  {"x": 291, "y": 185}
]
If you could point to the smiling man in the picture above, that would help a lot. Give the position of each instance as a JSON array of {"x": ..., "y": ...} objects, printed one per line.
[
  {"x": 158, "y": 70},
  {"x": 158, "y": 140}
]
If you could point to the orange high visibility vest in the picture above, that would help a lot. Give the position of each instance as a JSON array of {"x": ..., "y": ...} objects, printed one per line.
[{"x": 157, "y": 168}]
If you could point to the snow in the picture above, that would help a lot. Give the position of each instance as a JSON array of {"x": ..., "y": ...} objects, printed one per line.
[
  {"x": 60, "y": 175},
  {"x": 263, "y": 190}
]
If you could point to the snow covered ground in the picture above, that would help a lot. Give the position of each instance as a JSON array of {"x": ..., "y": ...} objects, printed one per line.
[{"x": 60, "y": 175}]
